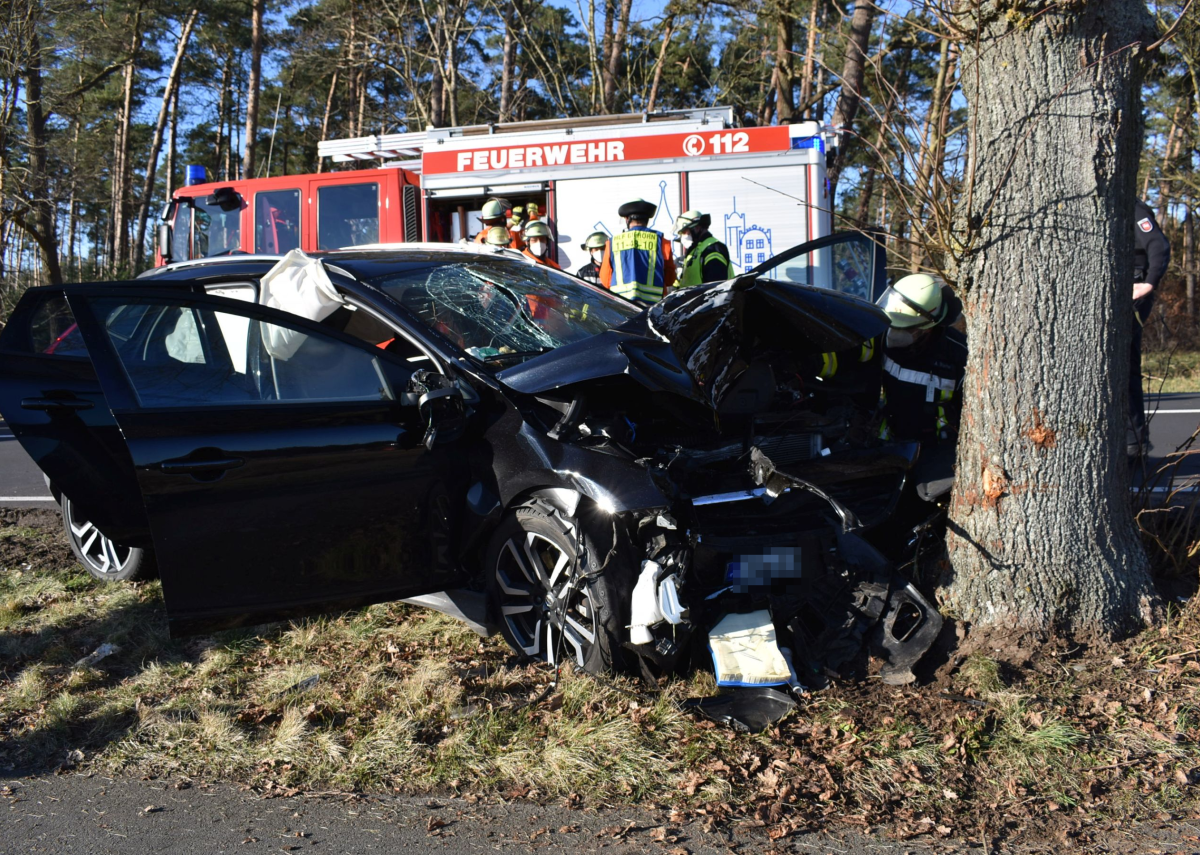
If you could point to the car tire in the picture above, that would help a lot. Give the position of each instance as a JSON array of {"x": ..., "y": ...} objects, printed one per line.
[
  {"x": 531, "y": 567},
  {"x": 99, "y": 555}
]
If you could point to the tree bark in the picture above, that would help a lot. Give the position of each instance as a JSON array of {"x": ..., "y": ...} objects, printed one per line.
[
  {"x": 172, "y": 144},
  {"x": 333, "y": 81},
  {"x": 615, "y": 34},
  {"x": 1042, "y": 538},
  {"x": 806, "y": 80},
  {"x": 853, "y": 69},
  {"x": 1174, "y": 139},
  {"x": 222, "y": 155},
  {"x": 185, "y": 34},
  {"x": 668, "y": 31},
  {"x": 931, "y": 145},
  {"x": 122, "y": 171},
  {"x": 257, "y": 9},
  {"x": 39, "y": 222},
  {"x": 785, "y": 74},
  {"x": 1189, "y": 262},
  {"x": 508, "y": 61}
]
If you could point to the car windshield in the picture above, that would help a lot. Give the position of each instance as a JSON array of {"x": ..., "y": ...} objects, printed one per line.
[{"x": 498, "y": 310}]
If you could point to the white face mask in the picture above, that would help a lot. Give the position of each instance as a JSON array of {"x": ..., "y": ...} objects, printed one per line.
[
  {"x": 538, "y": 247},
  {"x": 598, "y": 256},
  {"x": 904, "y": 337},
  {"x": 685, "y": 240}
]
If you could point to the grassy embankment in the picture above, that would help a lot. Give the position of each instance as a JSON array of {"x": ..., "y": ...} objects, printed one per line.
[
  {"x": 1172, "y": 372},
  {"x": 406, "y": 700}
]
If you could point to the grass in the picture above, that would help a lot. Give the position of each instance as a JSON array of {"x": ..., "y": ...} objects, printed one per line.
[
  {"x": 1166, "y": 372},
  {"x": 394, "y": 698}
]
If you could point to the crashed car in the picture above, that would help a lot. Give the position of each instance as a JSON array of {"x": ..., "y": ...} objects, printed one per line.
[{"x": 618, "y": 486}]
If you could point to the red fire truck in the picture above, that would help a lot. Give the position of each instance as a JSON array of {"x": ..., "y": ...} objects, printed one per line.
[{"x": 764, "y": 187}]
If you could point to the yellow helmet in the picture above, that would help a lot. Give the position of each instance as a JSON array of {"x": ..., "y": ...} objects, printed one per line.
[
  {"x": 494, "y": 209},
  {"x": 914, "y": 302},
  {"x": 498, "y": 236},
  {"x": 537, "y": 229}
]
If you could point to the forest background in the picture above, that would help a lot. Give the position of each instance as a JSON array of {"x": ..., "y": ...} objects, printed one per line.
[{"x": 103, "y": 102}]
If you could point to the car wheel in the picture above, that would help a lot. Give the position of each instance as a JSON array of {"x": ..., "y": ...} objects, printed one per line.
[
  {"x": 99, "y": 555},
  {"x": 550, "y": 609}
]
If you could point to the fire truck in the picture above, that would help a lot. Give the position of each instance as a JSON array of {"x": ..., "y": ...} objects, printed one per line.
[{"x": 764, "y": 187}]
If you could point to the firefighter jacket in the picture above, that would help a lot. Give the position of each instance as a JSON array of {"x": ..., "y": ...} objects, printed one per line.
[
  {"x": 707, "y": 260},
  {"x": 547, "y": 261},
  {"x": 922, "y": 389},
  {"x": 589, "y": 271},
  {"x": 638, "y": 265}
]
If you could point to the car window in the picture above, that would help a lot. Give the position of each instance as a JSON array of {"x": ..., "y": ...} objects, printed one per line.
[
  {"x": 846, "y": 266},
  {"x": 498, "y": 310},
  {"x": 347, "y": 215},
  {"x": 181, "y": 233},
  {"x": 52, "y": 329},
  {"x": 188, "y": 355},
  {"x": 276, "y": 221}
]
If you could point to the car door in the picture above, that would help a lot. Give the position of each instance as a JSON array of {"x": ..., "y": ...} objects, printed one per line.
[
  {"x": 853, "y": 263},
  {"x": 52, "y": 401},
  {"x": 281, "y": 463}
]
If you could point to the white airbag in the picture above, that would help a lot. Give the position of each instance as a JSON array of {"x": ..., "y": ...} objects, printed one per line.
[{"x": 298, "y": 285}]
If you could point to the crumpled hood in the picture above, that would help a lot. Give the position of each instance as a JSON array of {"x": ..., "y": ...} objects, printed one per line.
[{"x": 697, "y": 342}]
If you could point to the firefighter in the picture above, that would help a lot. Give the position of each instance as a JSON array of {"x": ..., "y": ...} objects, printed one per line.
[
  {"x": 498, "y": 237},
  {"x": 537, "y": 235},
  {"x": 494, "y": 212},
  {"x": 924, "y": 360},
  {"x": 637, "y": 263},
  {"x": 1151, "y": 254},
  {"x": 705, "y": 259},
  {"x": 594, "y": 246}
]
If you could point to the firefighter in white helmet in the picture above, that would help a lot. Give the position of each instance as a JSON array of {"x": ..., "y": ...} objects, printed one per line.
[
  {"x": 594, "y": 246},
  {"x": 705, "y": 259},
  {"x": 540, "y": 244},
  {"x": 495, "y": 212},
  {"x": 924, "y": 361}
]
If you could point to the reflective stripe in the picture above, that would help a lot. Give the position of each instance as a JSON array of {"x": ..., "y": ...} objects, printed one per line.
[
  {"x": 932, "y": 383},
  {"x": 697, "y": 257},
  {"x": 868, "y": 351},
  {"x": 637, "y": 262},
  {"x": 828, "y": 365}
]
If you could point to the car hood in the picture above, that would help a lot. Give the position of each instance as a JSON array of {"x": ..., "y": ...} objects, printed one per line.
[{"x": 697, "y": 342}]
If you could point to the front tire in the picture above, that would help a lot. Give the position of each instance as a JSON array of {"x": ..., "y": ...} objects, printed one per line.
[
  {"x": 99, "y": 555},
  {"x": 548, "y": 606}
]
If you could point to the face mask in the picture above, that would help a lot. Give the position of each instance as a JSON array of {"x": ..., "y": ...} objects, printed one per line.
[
  {"x": 538, "y": 247},
  {"x": 904, "y": 338},
  {"x": 685, "y": 241},
  {"x": 598, "y": 256}
]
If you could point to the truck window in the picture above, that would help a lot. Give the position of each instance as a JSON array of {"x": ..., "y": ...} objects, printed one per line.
[
  {"x": 181, "y": 233},
  {"x": 217, "y": 231},
  {"x": 347, "y": 215},
  {"x": 276, "y": 221}
]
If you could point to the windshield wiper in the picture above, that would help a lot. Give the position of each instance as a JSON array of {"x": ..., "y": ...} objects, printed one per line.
[{"x": 517, "y": 354}]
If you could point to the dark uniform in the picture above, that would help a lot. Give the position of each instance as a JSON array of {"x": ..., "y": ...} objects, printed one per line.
[
  {"x": 1151, "y": 255},
  {"x": 922, "y": 401},
  {"x": 590, "y": 272}
]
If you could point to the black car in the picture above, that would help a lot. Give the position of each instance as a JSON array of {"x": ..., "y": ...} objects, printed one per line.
[{"x": 598, "y": 480}]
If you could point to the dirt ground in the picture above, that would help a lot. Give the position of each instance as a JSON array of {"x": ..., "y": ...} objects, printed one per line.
[{"x": 1061, "y": 744}]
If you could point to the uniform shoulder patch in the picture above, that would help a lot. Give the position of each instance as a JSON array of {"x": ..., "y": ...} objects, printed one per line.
[{"x": 1145, "y": 225}]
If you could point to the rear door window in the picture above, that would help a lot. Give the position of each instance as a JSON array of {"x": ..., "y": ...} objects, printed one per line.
[
  {"x": 276, "y": 221},
  {"x": 53, "y": 331},
  {"x": 347, "y": 215}
]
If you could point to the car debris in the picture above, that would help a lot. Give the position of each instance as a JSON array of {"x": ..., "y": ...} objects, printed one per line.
[
  {"x": 101, "y": 652},
  {"x": 750, "y": 710}
]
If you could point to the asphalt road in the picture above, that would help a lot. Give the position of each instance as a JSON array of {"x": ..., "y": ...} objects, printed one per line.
[{"x": 1172, "y": 419}]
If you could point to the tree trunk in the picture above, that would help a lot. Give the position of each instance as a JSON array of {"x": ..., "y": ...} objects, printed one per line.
[
  {"x": 172, "y": 145},
  {"x": 806, "y": 80},
  {"x": 257, "y": 8},
  {"x": 123, "y": 172},
  {"x": 853, "y": 69},
  {"x": 1042, "y": 538},
  {"x": 325, "y": 116},
  {"x": 1174, "y": 138},
  {"x": 668, "y": 31},
  {"x": 139, "y": 246},
  {"x": 222, "y": 156},
  {"x": 931, "y": 144},
  {"x": 785, "y": 74},
  {"x": 1189, "y": 262},
  {"x": 39, "y": 223},
  {"x": 508, "y": 62},
  {"x": 614, "y": 44}
]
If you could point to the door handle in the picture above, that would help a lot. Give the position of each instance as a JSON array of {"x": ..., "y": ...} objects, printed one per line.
[
  {"x": 56, "y": 404},
  {"x": 184, "y": 466}
]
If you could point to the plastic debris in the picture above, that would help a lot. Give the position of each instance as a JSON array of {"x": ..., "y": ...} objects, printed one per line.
[
  {"x": 745, "y": 651},
  {"x": 96, "y": 655},
  {"x": 750, "y": 710}
]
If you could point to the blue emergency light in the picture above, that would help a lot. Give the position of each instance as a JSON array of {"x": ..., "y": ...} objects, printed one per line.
[
  {"x": 194, "y": 174},
  {"x": 809, "y": 142}
]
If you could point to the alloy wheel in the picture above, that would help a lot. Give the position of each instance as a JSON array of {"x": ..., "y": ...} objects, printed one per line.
[
  {"x": 100, "y": 555},
  {"x": 544, "y": 606}
]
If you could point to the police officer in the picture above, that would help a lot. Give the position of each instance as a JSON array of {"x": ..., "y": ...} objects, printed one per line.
[
  {"x": 594, "y": 246},
  {"x": 494, "y": 213},
  {"x": 924, "y": 361},
  {"x": 705, "y": 258},
  {"x": 1151, "y": 255},
  {"x": 537, "y": 236},
  {"x": 637, "y": 263}
]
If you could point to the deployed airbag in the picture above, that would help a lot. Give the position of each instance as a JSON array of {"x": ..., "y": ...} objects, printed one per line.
[{"x": 298, "y": 285}]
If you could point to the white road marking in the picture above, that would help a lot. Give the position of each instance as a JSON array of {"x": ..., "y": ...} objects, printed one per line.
[
  {"x": 26, "y": 498},
  {"x": 1162, "y": 412}
]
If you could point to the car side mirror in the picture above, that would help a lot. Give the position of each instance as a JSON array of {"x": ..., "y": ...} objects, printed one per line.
[
  {"x": 445, "y": 414},
  {"x": 164, "y": 241}
]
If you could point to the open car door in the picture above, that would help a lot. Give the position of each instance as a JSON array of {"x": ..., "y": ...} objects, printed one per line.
[
  {"x": 52, "y": 401},
  {"x": 281, "y": 462},
  {"x": 853, "y": 263}
]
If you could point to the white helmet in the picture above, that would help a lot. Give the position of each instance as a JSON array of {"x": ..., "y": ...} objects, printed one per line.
[{"x": 914, "y": 302}]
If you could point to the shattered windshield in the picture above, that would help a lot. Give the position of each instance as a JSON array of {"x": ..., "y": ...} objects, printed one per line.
[{"x": 497, "y": 310}]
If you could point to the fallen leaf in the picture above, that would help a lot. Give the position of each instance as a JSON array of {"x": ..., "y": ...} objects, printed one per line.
[{"x": 151, "y": 809}]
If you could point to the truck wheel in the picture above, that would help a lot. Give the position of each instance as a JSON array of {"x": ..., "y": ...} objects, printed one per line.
[
  {"x": 103, "y": 559},
  {"x": 547, "y": 606}
]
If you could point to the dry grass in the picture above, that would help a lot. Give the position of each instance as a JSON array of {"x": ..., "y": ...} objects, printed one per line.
[
  {"x": 393, "y": 698},
  {"x": 1171, "y": 371}
]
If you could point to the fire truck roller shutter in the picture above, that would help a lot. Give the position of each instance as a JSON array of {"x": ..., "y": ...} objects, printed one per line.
[
  {"x": 758, "y": 213},
  {"x": 587, "y": 205}
]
